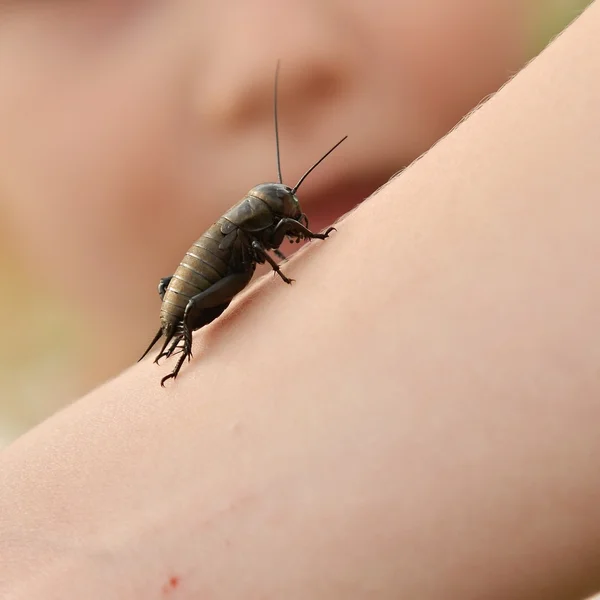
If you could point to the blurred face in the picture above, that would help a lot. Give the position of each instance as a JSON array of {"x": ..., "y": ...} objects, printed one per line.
[{"x": 128, "y": 126}]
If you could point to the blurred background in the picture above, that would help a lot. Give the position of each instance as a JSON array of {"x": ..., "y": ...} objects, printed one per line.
[{"x": 78, "y": 307}]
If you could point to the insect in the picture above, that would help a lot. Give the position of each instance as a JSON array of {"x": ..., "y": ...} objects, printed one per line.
[{"x": 222, "y": 261}]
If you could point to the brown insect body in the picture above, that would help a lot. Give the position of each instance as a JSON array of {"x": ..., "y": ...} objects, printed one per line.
[
  {"x": 226, "y": 249},
  {"x": 222, "y": 261}
]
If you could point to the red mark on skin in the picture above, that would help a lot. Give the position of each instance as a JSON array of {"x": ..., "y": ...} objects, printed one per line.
[{"x": 170, "y": 585}]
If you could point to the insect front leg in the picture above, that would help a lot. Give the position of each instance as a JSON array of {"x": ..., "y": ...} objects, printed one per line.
[
  {"x": 262, "y": 256},
  {"x": 291, "y": 226}
]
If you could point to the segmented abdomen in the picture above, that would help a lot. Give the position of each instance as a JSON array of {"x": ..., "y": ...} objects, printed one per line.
[{"x": 203, "y": 265}]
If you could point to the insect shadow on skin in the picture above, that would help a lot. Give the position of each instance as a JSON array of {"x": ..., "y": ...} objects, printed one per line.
[{"x": 222, "y": 261}]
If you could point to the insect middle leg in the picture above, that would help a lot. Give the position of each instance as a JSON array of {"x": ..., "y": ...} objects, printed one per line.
[{"x": 263, "y": 255}]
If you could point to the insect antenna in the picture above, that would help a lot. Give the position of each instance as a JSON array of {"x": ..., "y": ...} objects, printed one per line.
[
  {"x": 276, "y": 122},
  {"x": 301, "y": 180}
]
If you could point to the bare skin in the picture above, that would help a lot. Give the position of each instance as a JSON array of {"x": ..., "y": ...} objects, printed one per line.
[{"x": 433, "y": 431}]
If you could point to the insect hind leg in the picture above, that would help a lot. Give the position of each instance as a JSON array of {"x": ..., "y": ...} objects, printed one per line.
[
  {"x": 168, "y": 352},
  {"x": 168, "y": 339},
  {"x": 185, "y": 351},
  {"x": 205, "y": 307},
  {"x": 201, "y": 310},
  {"x": 177, "y": 368}
]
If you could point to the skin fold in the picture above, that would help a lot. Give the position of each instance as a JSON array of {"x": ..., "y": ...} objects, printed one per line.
[{"x": 431, "y": 429}]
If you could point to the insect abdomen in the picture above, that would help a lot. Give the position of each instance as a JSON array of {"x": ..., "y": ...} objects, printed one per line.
[{"x": 203, "y": 265}]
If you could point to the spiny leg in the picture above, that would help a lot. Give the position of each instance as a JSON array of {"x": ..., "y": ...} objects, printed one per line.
[
  {"x": 263, "y": 255},
  {"x": 174, "y": 351},
  {"x": 177, "y": 347},
  {"x": 186, "y": 351},
  {"x": 203, "y": 309},
  {"x": 177, "y": 368},
  {"x": 162, "y": 350},
  {"x": 173, "y": 347},
  {"x": 207, "y": 316},
  {"x": 291, "y": 226}
]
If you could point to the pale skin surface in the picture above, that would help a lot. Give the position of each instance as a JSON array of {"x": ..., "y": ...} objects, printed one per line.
[{"x": 431, "y": 432}]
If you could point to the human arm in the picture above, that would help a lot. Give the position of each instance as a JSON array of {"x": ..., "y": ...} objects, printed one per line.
[{"x": 416, "y": 416}]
